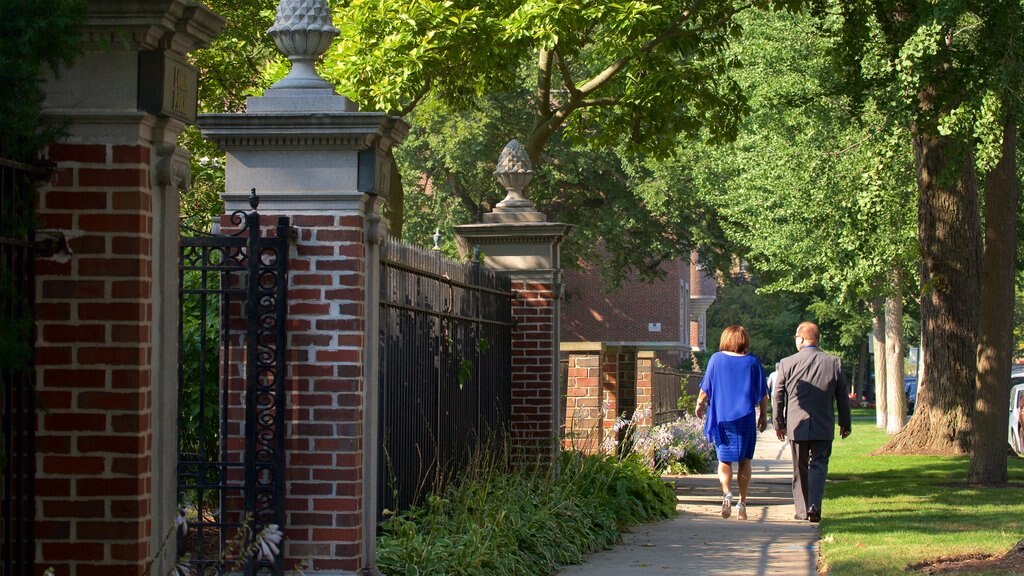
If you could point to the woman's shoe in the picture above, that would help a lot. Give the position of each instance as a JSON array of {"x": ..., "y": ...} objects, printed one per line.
[
  {"x": 727, "y": 505},
  {"x": 741, "y": 511}
]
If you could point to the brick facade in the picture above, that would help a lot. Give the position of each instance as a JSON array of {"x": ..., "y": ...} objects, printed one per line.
[{"x": 645, "y": 388}]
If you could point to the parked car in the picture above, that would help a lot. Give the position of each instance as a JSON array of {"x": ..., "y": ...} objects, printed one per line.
[
  {"x": 910, "y": 387},
  {"x": 1015, "y": 424}
]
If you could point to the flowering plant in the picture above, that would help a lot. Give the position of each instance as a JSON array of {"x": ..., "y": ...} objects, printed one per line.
[
  {"x": 247, "y": 544},
  {"x": 677, "y": 447}
]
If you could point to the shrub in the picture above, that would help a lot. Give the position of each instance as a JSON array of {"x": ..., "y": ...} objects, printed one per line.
[{"x": 498, "y": 520}]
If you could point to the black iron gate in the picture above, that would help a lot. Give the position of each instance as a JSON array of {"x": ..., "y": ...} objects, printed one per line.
[
  {"x": 231, "y": 393},
  {"x": 445, "y": 367},
  {"x": 17, "y": 372}
]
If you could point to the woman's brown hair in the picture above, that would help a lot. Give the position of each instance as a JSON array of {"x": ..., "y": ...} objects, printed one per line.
[{"x": 735, "y": 339}]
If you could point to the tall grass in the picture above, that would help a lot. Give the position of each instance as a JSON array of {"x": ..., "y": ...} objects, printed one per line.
[{"x": 882, "y": 513}]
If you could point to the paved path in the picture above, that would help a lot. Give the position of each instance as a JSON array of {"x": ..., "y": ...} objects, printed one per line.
[{"x": 700, "y": 541}]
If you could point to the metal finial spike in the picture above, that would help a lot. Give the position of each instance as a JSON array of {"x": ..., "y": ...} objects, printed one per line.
[{"x": 254, "y": 200}]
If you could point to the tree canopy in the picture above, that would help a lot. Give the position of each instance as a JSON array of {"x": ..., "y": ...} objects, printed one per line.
[
  {"x": 604, "y": 73},
  {"x": 847, "y": 121},
  {"x": 34, "y": 37}
]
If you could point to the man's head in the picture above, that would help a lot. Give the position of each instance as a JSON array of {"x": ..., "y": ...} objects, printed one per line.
[{"x": 807, "y": 334}]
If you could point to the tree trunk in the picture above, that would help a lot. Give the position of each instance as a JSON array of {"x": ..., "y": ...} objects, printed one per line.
[
  {"x": 995, "y": 331},
  {"x": 878, "y": 349},
  {"x": 895, "y": 397},
  {"x": 948, "y": 232},
  {"x": 862, "y": 369}
]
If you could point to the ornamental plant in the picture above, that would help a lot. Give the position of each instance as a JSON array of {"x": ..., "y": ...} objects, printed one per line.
[
  {"x": 497, "y": 518},
  {"x": 677, "y": 447}
]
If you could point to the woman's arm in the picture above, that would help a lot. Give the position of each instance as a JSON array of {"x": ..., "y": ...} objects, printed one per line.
[
  {"x": 762, "y": 419},
  {"x": 702, "y": 404}
]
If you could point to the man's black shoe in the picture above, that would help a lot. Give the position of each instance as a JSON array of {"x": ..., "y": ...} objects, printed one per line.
[{"x": 814, "y": 515}]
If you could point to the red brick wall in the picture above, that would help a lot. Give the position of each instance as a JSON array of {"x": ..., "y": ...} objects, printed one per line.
[
  {"x": 94, "y": 360},
  {"x": 533, "y": 367}
]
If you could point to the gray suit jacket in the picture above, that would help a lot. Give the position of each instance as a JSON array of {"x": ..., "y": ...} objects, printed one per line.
[{"x": 806, "y": 386}]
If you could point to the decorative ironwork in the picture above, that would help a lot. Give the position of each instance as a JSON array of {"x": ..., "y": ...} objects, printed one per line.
[
  {"x": 17, "y": 372},
  {"x": 445, "y": 349},
  {"x": 231, "y": 378},
  {"x": 668, "y": 386}
]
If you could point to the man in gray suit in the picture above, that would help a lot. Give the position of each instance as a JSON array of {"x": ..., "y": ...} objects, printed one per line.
[{"x": 809, "y": 384}]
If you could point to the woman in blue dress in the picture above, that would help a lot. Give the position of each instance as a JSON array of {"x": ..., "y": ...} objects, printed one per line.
[{"x": 732, "y": 388}]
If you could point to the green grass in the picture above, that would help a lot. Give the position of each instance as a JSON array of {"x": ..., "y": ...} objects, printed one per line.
[{"x": 882, "y": 513}]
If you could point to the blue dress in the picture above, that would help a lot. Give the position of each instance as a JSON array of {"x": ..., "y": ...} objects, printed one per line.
[{"x": 735, "y": 386}]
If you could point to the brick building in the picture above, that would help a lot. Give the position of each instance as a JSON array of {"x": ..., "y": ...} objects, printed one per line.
[{"x": 666, "y": 316}]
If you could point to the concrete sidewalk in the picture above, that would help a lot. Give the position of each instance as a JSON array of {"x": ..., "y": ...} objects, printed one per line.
[{"x": 700, "y": 541}]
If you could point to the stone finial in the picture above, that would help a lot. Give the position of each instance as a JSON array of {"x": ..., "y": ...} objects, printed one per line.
[
  {"x": 514, "y": 171},
  {"x": 303, "y": 31}
]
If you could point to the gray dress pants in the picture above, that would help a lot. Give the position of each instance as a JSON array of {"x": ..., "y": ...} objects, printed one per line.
[{"x": 810, "y": 467}]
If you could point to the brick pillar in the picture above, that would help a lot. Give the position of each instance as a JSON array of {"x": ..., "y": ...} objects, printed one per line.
[
  {"x": 610, "y": 391},
  {"x": 534, "y": 364},
  {"x": 645, "y": 388},
  {"x": 518, "y": 240},
  {"x": 107, "y": 358},
  {"x": 584, "y": 416},
  {"x": 311, "y": 157},
  {"x": 536, "y": 403}
]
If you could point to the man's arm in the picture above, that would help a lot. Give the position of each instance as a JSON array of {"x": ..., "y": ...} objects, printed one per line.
[{"x": 779, "y": 403}]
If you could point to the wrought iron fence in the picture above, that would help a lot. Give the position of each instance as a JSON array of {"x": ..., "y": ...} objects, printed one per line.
[
  {"x": 668, "y": 387},
  {"x": 445, "y": 367},
  {"x": 17, "y": 373},
  {"x": 231, "y": 379}
]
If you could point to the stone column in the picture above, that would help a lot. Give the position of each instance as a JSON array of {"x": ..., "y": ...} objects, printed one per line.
[
  {"x": 311, "y": 156},
  {"x": 517, "y": 239},
  {"x": 107, "y": 358}
]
